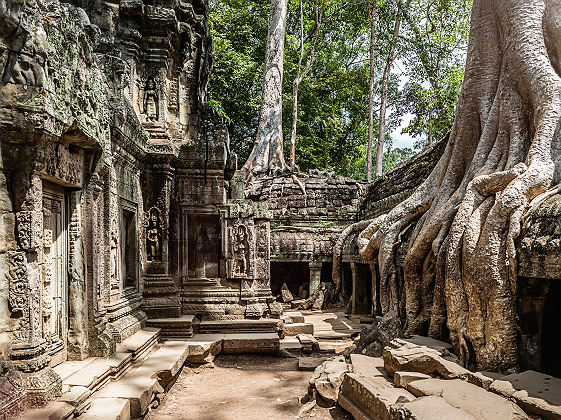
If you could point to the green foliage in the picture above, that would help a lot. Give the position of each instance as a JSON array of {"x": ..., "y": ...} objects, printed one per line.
[{"x": 333, "y": 99}]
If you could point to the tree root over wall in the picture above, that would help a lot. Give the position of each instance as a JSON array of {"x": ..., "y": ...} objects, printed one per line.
[{"x": 460, "y": 269}]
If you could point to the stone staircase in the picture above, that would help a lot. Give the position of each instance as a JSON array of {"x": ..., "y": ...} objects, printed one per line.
[{"x": 145, "y": 366}]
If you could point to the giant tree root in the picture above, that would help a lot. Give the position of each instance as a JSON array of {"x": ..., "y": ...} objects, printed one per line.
[{"x": 461, "y": 260}]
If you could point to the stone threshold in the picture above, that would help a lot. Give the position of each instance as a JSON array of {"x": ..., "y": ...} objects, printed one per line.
[{"x": 127, "y": 384}]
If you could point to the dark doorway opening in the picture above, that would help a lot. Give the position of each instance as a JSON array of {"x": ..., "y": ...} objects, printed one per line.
[
  {"x": 363, "y": 289},
  {"x": 551, "y": 331},
  {"x": 296, "y": 275},
  {"x": 326, "y": 272}
]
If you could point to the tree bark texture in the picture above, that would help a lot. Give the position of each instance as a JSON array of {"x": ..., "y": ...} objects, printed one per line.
[
  {"x": 267, "y": 152},
  {"x": 460, "y": 270}
]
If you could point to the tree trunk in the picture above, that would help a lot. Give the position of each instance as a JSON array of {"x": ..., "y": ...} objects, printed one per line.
[
  {"x": 301, "y": 75},
  {"x": 371, "y": 12},
  {"x": 460, "y": 270},
  {"x": 384, "y": 95},
  {"x": 267, "y": 153}
]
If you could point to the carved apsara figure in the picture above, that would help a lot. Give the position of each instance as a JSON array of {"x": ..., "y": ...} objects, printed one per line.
[
  {"x": 154, "y": 236},
  {"x": 241, "y": 252},
  {"x": 150, "y": 102}
]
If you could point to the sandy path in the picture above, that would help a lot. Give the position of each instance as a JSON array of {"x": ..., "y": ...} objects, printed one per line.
[{"x": 241, "y": 387}]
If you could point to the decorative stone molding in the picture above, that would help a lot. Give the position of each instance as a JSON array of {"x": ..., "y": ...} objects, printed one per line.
[
  {"x": 29, "y": 229},
  {"x": 18, "y": 287}
]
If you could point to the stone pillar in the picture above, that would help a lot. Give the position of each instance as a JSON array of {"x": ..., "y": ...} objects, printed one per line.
[
  {"x": 355, "y": 274},
  {"x": 374, "y": 290},
  {"x": 160, "y": 291},
  {"x": 315, "y": 275},
  {"x": 29, "y": 348}
]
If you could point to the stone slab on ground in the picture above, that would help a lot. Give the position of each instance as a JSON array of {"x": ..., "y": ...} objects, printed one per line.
[
  {"x": 470, "y": 398},
  {"x": 286, "y": 295},
  {"x": 298, "y": 328},
  {"x": 98, "y": 372},
  {"x": 414, "y": 358},
  {"x": 296, "y": 317},
  {"x": 536, "y": 393},
  {"x": 483, "y": 379},
  {"x": 371, "y": 396},
  {"x": 402, "y": 379},
  {"x": 108, "y": 409},
  {"x": 203, "y": 347},
  {"x": 251, "y": 343},
  {"x": 368, "y": 366},
  {"x": 166, "y": 362},
  {"x": 427, "y": 408},
  {"x": 137, "y": 387},
  {"x": 352, "y": 408},
  {"x": 310, "y": 363}
]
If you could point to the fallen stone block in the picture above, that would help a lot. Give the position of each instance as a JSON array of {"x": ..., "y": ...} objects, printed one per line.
[
  {"x": 166, "y": 362},
  {"x": 470, "y": 398},
  {"x": 413, "y": 358},
  {"x": 108, "y": 409},
  {"x": 308, "y": 342},
  {"x": 483, "y": 379},
  {"x": 427, "y": 408},
  {"x": 368, "y": 366},
  {"x": 286, "y": 320},
  {"x": 298, "y": 328},
  {"x": 76, "y": 395},
  {"x": 286, "y": 295},
  {"x": 327, "y": 379},
  {"x": 536, "y": 393},
  {"x": 296, "y": 303},
  {"x": 296, "y": 317},
  {"x": 402, "y": 379},
  {"x": 372, "y": 396},
  {"x": 309, "y": 363},
  {"x": 203, "y": 348}
]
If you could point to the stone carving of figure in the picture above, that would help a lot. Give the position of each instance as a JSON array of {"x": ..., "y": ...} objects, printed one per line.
[
  {"x": 150, "y": 102},
  {"x": 241, "y": 252},
  {"x": 114, "y": 253},
  {"x": 154, "y": 237}
]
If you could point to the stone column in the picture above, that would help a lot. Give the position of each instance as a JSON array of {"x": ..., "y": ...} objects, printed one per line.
[
  {"x": 355, "y": 274},
  {"x": 315, "y": 275},
  {"x": 160, "y": 291},
  {"x": 374, "y": 291}
]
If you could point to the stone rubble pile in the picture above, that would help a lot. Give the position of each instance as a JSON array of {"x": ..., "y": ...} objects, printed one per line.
[{"x": 419, "y": 379}]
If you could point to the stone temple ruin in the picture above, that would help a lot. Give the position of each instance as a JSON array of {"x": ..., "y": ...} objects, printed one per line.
[{"x": 124, "y": 219}]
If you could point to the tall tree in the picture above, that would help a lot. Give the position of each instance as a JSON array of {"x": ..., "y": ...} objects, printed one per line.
[
  {"x": 267, "y": 152},
  {"x": 460, "y": 271},
  {"x": 384, "y": 93},
  {"x": 371, "y": 82},
  {"x": 300, "y": 75}
]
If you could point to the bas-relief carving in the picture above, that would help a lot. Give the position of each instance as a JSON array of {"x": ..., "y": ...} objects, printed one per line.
[
  {"x": 153, "y": 226},
  {"x": 63, "y": 164},
  {"x": 240, "y": 247},
  {"x": 17, "y": 277},
  {"x": 30, "y": 226},
  {"x": 150, "y": 100}
]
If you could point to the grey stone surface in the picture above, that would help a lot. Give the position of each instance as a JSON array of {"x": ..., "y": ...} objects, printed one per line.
[
  {"x": 536, "y": 393},
  {"x": 472, "y": 399},
  {"x": 427, "y": 408},
  {"x": 402, "y": 379},
  {"x": 108, "y": 409}
]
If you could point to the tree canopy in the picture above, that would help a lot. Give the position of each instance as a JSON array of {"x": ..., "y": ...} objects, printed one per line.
[{"x": 332, "y": 124}]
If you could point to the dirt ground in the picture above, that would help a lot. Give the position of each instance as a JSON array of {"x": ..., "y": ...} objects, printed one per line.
[{"x": 245, "y": 387}]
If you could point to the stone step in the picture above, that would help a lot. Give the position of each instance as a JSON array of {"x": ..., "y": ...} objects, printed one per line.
[
  {"x": 94, "y": 372},
  {"x": 203, "y": 347},
  {"x": 291, "y": 344},
  {"x": 56, "y": 410},
  {"x": 296, "y": 317},
  {"x": 174, "y": 327},
  {"x": 108, "y": 409},
  {"x": 251, "y": 343},
  {"x": 264, "y": 325}
]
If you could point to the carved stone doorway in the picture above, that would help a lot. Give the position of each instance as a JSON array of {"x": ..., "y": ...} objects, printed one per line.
[{"x": 54, "y": 276}]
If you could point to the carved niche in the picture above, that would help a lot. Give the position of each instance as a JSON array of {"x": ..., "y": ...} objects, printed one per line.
[
  {"x": 241, "y": 250},
  {"x": 150, "y": 100},
  {"x": 153, "y": 226}
]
